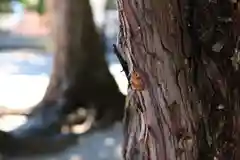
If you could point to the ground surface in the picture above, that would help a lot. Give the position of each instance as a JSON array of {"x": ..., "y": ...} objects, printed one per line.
[{"x": 101, "y": 145}]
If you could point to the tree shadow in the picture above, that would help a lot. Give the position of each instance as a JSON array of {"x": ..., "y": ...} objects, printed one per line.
[
  {"x": 44, "y": 144},
  {"x": 93, "y": 144},
  {"x": 38, "y": 145}
]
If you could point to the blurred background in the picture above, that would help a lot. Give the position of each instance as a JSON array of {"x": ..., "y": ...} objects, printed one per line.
[{"x": 62, "y": 88}]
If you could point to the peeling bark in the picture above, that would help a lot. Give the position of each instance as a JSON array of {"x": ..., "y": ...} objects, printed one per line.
[{"x": 185, "y": 53}]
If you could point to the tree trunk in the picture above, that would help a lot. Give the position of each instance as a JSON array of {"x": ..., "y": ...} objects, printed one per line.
[
  {"x": 6, "y": 142},
  {"x": 183, "y": 57},
  {"x": 80, "y": 75}
]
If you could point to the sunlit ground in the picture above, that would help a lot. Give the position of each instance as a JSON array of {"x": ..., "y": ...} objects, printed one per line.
[
  {"x": 101, "y": 145},
  {"x": 24, "y": 76}
]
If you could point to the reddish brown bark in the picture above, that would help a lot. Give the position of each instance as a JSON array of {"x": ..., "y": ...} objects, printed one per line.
[{"x": 184, "y": 52}]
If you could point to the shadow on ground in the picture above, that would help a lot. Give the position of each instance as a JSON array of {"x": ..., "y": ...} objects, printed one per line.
[{"x": 94, "y": 145}]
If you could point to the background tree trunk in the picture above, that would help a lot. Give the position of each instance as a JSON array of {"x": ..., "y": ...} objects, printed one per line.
[
  {"x": 80, "y": 75},
  {"x": 183, "y": 102}
]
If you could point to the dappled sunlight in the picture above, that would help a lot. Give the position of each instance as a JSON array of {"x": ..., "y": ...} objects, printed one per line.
[
  {"x": 25, "y": 62},
  {"x": 11, "y": 122},
  {"x": 75, "y": 157},
  {"x": 101, "y": 145},
  {"x": 118, "y": 74},
  {"x": 22, "y": 91},
  {"x": 76, "y": 127},
  {"x": 24, "y": 76},
  {"x": 109, "y": 142}
]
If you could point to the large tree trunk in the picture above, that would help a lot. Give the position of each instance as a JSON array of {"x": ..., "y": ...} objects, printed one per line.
[
  {"x": 80, "y": 75},
  {"x": 183, "y": 102}
]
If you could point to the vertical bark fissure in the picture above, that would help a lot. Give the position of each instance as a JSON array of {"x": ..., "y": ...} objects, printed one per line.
[
  {"x": 159, "y": 126},
  {"x": 221, "y": 121}
]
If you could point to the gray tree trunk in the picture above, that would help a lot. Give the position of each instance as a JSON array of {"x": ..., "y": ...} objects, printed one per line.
[
  {"x": 80, "y": 75},
  {"x": 183, "y": 102}
]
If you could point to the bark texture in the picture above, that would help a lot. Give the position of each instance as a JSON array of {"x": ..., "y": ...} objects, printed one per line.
[
  {"x": 80, "y": 75},
  {"x": 184, "y": 103}
]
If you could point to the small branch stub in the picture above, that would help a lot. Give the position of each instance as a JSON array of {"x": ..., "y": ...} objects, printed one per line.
[{"x": 136, "y": 81}]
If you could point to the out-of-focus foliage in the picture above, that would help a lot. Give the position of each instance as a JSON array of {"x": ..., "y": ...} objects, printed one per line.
[
  {"x": 25, "y": 2},
  {"x": 38, "y": 7},
  {"x": 41, "y": 6},
  {"x": 111, "y": 4},
  {"x": 5, "y": 5}
]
